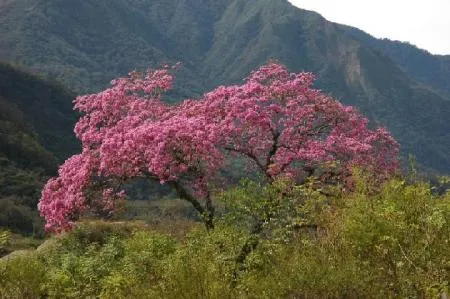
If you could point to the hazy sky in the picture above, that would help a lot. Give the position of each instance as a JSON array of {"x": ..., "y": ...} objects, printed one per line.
[{"x": 424, "y": 23}]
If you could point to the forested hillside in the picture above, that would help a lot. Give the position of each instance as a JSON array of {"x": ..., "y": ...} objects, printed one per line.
[
  {"x": 36, "y": 124},
  {"x": 432, "y": 70},
  {"x": 220, "y": 42}
]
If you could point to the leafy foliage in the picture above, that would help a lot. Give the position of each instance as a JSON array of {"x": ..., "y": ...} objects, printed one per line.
[
  {"x": 377, "y": 241},
  {"x": 21, "y": 277},
  {"x": 275, "y": 120},
  {"x": 4, "y": 240}
]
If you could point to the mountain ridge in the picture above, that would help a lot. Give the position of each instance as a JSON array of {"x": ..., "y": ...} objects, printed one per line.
[{"x": 432, "y": 70}]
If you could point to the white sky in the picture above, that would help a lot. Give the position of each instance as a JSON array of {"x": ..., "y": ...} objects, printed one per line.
[{"x": 425, "y": 24}]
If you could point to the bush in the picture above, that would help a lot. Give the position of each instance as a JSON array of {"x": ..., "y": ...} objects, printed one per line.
[
  {"x": 203, "y": 267},
  {"x": 401, "y": 236},
  {"x": 392, "y": 243},
  {"x": 375, "y": 242},
  {"x": 21, "y": 276},
  {"x": 110, "y": 260}
]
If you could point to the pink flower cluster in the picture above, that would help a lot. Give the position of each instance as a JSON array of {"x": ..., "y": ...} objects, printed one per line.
[{"x": 275, "y": 120}]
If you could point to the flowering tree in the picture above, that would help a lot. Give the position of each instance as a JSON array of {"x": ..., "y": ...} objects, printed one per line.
[{"x": 276, "y": 121}]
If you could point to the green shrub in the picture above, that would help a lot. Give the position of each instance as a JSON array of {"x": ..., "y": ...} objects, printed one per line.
[
  {"x": 392, "y": 243},
  {"x": 107, "y": 260},
  {"x": 375, "y": 242},
  {"x": 203, "y": 266},
  {"x": 402, "y": 235},
  {"x": 21, "y": 276},
  {"x": 4, "y": 241}
]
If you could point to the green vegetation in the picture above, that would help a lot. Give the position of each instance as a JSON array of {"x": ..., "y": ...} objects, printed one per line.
[
  {"x": 219, "y": 42},
  {"x": 432, "y": 70},
  {"x": 40, "y": 114},
  {"x": 275, "y": 241},
  {"x": 36, "y": 122},
  {"x": 390, "y": 241}
]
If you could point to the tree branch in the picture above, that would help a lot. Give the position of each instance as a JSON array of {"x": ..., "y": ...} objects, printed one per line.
[
  {"x": 249, "y": 155},
  {"x": 273, "y": 149},
  {"x": 206, "y": 213}
]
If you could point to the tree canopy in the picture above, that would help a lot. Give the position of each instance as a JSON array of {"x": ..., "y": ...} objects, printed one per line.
[{"x": 276, "y": 121}]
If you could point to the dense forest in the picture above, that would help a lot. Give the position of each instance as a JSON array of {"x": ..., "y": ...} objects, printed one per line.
[{"x": 37, "y": 121}]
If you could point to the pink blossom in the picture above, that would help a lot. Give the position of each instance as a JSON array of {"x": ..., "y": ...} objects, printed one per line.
[{"x": 275, "y": 120}]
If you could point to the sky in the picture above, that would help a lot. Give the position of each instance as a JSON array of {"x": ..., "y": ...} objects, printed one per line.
[{"x": 425, "y": 24}]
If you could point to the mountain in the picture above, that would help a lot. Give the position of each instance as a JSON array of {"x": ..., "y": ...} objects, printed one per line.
[
  {"x": 432, "y": 70},
  {"x": 36, "y": 121},
  {"x": 85, "y": 44},
  {"x": 41, "y": 110}
]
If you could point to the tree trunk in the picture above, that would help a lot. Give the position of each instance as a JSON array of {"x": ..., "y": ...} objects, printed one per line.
[{"x": 206, "y": 213}]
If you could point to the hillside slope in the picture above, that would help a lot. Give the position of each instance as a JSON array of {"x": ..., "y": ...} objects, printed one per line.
[
  {"x": 36, "y": 123},
  {"x": 41, "y": 108},
  {"x": 86, "y": 43},
  {"x": 350, "y": 70},
  {"x": 432, "y": 70}
]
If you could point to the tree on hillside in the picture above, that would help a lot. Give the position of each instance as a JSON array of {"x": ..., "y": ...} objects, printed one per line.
[{"x": 275, "y": 121}]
